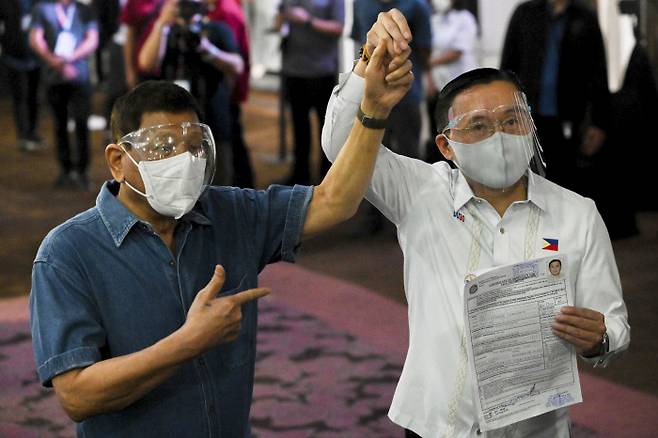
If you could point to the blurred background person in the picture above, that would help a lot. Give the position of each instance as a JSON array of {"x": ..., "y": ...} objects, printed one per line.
[
  {"x": 230, "y": 12},
  {"x": 107, "y": 14},
  {"x": 109, "y": 55},
  {"x": 556, "y": 49},
  {"x": 309, "y": 66},
  {"x": 454, "y": 35},
  {"x": 404, "y": 127},
  {"x": 405, "y": 121},
  {"x": 63, "y": 34},
  {"x": 23, "y": 70},
  {"x": 634, "y": 111},
  {"x": 186, "y": 46},
  {"x": 138, "y": 16}
]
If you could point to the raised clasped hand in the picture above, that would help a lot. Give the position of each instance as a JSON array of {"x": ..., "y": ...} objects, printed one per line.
[
  {"x": 386, "y": 82},
  {"x": 392, "y": 28},
  {"x": 389, "y": 72}
]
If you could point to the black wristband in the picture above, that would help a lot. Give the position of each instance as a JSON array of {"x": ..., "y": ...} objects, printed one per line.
[{"x": 370, "y": 122}]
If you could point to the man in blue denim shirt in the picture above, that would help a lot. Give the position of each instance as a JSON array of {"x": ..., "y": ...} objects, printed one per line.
[{"x": 125, "y": 324}]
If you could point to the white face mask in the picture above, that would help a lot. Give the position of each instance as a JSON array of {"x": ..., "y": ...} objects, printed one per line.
[
  {"x": 173, "y": 185},
  {"x": 441, "y": 6},
  {"x": 497, "y": 162}
]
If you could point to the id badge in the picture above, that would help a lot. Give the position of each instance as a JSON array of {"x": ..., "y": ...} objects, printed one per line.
[
  {"x": 25, "y": 22},
  {"x": 65, "y": 45}
]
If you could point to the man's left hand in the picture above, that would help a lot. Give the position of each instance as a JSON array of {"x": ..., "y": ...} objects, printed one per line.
[
  {"x": 592, "y": 141},
  {"x": 69, "y": 72},
  {"x": 583, "y": 328},
  {"x": 392, "y": 28},
  {"x": 386, "y": 85},
  {"x": 298, "y": 14}
]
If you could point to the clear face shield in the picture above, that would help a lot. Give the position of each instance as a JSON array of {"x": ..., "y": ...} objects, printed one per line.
[
  {"x": 160, "y": 142},
  {"x": 496, "y": 146},
  {"x": 176, "y": 163}
]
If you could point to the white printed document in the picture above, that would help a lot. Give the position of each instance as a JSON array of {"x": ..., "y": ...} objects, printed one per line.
[{"x": 520, "y": 368}]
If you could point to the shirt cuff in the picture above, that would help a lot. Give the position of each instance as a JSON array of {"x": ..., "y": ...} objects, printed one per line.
[
  {"x": 351, "y": 87},
  {"x": 77, "y": 358},
  {"x": 618, "y": 343},
  {"x": 292, "y": 233}
]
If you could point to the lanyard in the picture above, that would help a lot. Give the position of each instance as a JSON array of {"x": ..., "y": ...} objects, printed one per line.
[
  {"x": 65, "y": 20},
  {"x": 532, "y": 229}
]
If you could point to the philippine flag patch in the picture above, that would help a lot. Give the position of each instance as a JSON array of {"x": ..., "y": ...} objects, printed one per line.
[{"x": 551, "y": 244}]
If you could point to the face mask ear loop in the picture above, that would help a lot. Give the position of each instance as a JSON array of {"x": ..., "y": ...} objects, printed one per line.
[{"x": 124, "y": 178}]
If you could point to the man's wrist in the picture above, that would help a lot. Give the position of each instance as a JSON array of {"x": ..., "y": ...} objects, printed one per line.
[
  {"x": 601, "y": 349},
  {"x": 360, "y": 68},
  {"x": 373, "y": 119},
  {"x": 183, "y": 342},
  {"x": 374, "y": 109}
]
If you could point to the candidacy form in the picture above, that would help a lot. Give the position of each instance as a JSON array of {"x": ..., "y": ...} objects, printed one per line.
[{"x": 521, "y": 369}]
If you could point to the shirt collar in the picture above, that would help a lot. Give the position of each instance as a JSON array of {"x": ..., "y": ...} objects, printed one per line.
[
  {"x": 119, "y": 220},
  {"x": 462, "y": 192}
]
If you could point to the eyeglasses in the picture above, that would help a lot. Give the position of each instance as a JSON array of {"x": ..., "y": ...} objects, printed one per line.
[
  {"x": 478, "y": 125},
  {"x": 165, "y": 141}
]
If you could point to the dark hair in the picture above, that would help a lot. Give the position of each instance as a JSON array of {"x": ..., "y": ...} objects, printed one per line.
[
  {"x": 458, "y": 5},
  {"x": 149, "y": 97},
  {"x": 465, "y": 81},
  {"x": 555, "y": 260}
]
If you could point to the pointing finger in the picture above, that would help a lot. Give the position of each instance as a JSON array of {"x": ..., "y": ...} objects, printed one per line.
[{"x": 250, "y": 294}]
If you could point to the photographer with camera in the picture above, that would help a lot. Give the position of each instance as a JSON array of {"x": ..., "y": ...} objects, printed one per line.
[{"x": 186, "y": 46}]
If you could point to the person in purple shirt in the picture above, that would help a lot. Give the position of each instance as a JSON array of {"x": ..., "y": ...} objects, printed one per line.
[{"x": 311, "y": 31}]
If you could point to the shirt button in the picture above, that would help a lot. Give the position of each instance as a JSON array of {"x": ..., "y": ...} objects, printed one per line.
[
  {"x": 172, "y": 263},
  {"x": 478, "y": 432},
  {"x": 502, "y": 230}
]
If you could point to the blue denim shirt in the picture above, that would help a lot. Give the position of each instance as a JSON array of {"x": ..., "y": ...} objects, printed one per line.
[{"x": 105, "y": 285}]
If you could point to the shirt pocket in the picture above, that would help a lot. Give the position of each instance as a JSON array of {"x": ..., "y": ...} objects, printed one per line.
[{"x": 237, "y": 353}]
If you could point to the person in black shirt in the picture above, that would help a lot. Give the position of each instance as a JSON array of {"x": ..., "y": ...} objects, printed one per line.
[
  {"x": 23, "y": 70},
  {"x": 556, "y": 49}
]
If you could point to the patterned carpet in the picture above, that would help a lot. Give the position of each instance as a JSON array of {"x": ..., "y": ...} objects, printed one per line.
[
  {"x": 323, "y": 370},
  {"x": 311, "y": 381}
]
